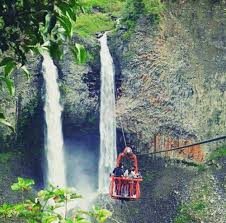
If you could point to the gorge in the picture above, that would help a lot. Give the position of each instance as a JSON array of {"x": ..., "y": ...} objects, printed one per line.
[{"x": 170, "y": 90}]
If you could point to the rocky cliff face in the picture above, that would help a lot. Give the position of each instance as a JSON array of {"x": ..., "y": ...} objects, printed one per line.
[
  {"x": 174, "y": 76},
  {"x": 20, "y": 109},
  {"x": 80, "y": 88}
]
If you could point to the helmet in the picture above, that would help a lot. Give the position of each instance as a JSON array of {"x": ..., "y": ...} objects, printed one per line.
[{"x": 128, "y": 150}]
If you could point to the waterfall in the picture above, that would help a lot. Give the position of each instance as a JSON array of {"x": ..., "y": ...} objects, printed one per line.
[
  {"x": 108, "y": 152},
  {"x": 53, "y": 135}
]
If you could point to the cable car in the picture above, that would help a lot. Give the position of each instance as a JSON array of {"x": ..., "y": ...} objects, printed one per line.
[{"x": 126, "y": 188}]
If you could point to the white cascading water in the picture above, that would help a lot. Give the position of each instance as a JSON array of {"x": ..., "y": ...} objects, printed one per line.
[
  {"x": 108, "y": 152},
  {"x": 54, "y": 146}
]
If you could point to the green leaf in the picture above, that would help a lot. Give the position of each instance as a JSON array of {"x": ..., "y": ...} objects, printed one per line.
[
  {"x": 103, "y": 215},
  {"x": 80, "y": 219},
  {"x": 5, "y": 122},
  {"x": 50, "y": 219},
  {"x": 15, "y": 186},
  {"x": 22, "y": 184},
  {"x": 82, "y": 9},
  {"x": 50, "y": 22},
  {"x": 6, "y": 60},
  {"x": 79, "y": 53},
  {"x": 65, "y": 22},
  {"x": 6, "y": 210},
  {"x": 47, "y": 23},
  {"x": 25, "y": 71},
  {"x": 9, "y": 65},
  {"x": 10, "y": 85},
  {"x": 1, "y": 22},
  {"x": 9, "y": 68},
  {"x": 66, "y": 10},
  {"x": 28, "y": 182}
]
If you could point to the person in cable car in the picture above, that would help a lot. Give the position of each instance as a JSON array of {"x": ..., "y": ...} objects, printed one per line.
[
  {"x": 130, "y": 173},
  {"x": 118, "y": 172}
]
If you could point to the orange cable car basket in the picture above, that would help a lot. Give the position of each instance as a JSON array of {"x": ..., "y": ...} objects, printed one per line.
[{"x": 125, "y": 188}]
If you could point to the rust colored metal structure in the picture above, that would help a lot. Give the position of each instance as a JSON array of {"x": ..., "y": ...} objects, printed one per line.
[{"x": 126, "y": 188}]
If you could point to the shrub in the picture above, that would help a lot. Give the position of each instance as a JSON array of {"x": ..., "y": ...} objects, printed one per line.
[
  {"x": 40, "y": 210},
  {"x": 114, "y": 6},
  {"x": 218, "y": 153},
  {"x": 89, "y": 24}
]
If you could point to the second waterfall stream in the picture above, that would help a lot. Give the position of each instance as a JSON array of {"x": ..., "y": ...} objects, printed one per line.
[{"x": 108, "y": 152}]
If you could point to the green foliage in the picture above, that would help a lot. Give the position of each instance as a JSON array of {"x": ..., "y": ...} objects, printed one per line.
[
  {"x": 25, "y": 72},
  {"x": 39, "y": 211},
  {"x": 9, "y": 84},
  {"x": 153, "y": 7},
  {"x": 34, "y": 27},
  {"x": 201, "y": 167},
  {"x": 218, "y": 153},
  {"x": 186, "y": 212},
  {"x": 114, "y": 6},
  {"x": 101, "y": 215},
  {"x": 98, "y": 16},
  {"x": 183, "y": 219},
  {"x": 135, "y": 9},
  {"x": 79, "y": 53},
  {"x": 4, "y": 121},
  {"x": 22, "y": 184},
  {"x": 6, "y": 211},
  {"x": 5, "y": 157},
  {"x": 89, "y": 24}
]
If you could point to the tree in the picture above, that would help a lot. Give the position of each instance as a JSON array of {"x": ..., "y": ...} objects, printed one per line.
[{"x": 35, "y": 26}]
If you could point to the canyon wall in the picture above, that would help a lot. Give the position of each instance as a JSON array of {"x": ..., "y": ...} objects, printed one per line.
[{"x": 173, "y": 74}]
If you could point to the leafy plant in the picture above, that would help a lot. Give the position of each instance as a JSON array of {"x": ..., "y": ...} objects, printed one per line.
[
  {"x": 6, "y": 156},
  {"x": 218, "y": 153},
  {"x": 114, "y": 6},
  {"x": 189, "y": 213},
  {"x": 79, "y": 53},
  {"x": 4, "y": 121},
  {"x": 153, "y": 7},
  {"x": 89, "y": 24},
  {"x": 35, "y": 27},
  {"x": 135, "y": 9},
  {"x": 43, "y": 208},
  {"x": 22, "y": 185},
  {"x": 101, "y": 215}
]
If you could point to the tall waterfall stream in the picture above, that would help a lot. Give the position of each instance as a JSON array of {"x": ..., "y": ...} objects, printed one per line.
[
  {"x": 108, "y": 150},
  {"x": 54, "y": 146}
]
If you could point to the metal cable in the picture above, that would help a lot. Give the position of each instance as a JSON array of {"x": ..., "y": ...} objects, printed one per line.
[
  {"x": 123, "y": 133},
  {"x": 186, "y": 146}
]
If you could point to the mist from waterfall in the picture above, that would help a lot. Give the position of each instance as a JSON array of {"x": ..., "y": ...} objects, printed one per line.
[
  {"x": 54, "y": 146},
  {"x": 108, "y": 152}
]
